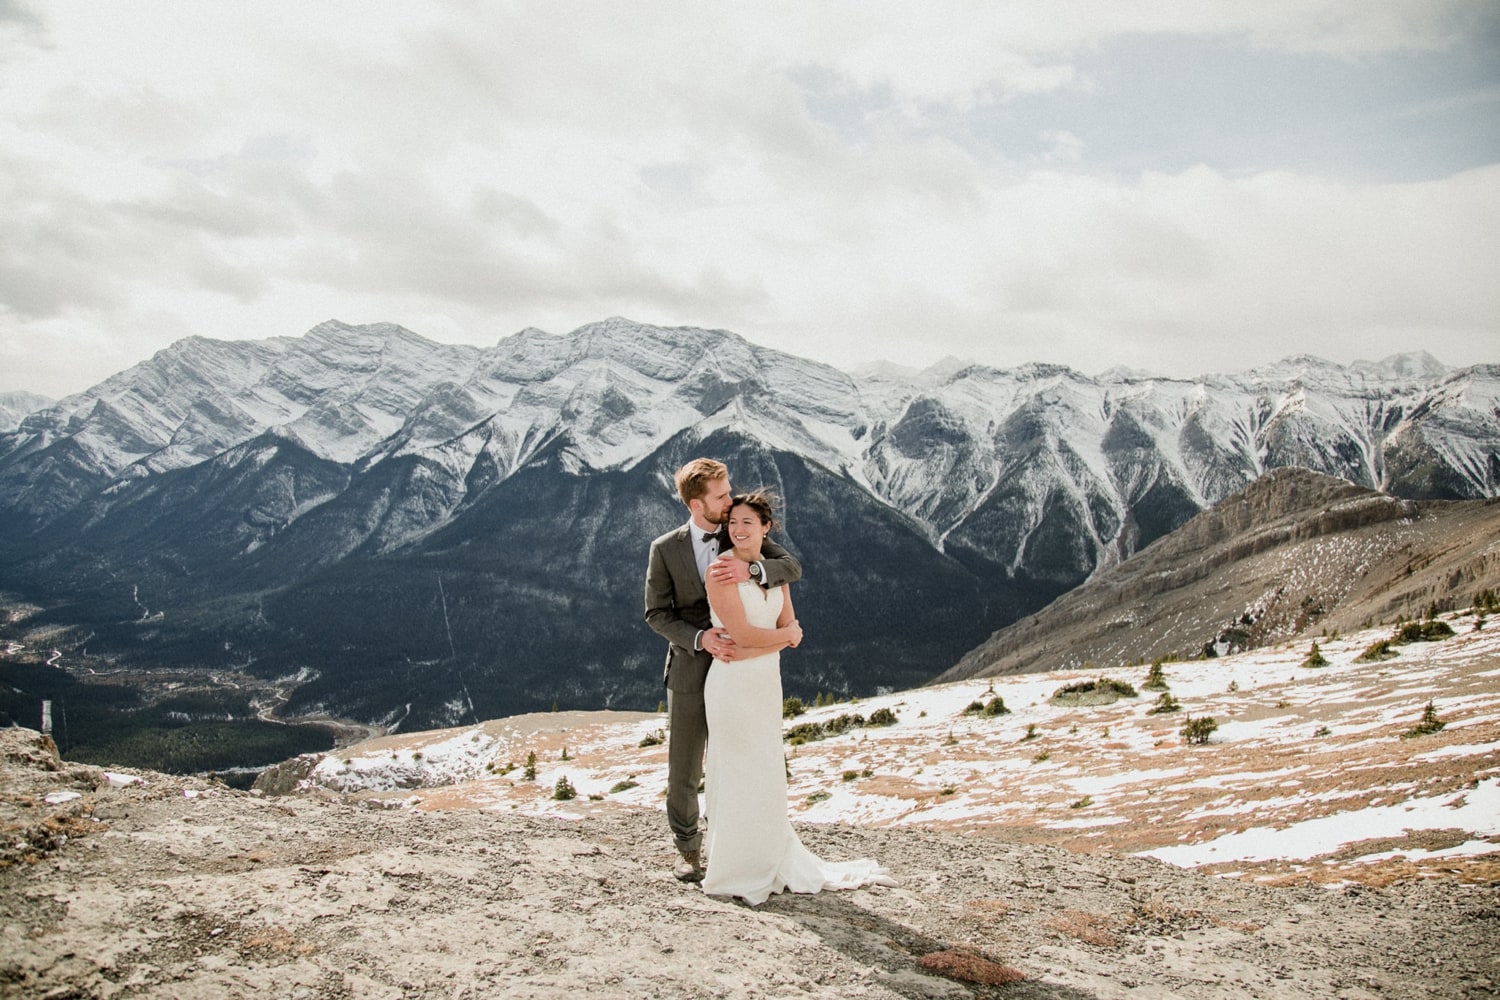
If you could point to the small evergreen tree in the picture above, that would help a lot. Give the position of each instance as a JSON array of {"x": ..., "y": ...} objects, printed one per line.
[
  {"x": 1197, "y": 731},
  {"x": 564, "y": 790},
  {"x": 530, "y": 772},
  {"x": 1315, "y": 657},
  {"x": 1165, "y": 703},
  {"x": 1156, "y": 679},
  {"x": 1430, "y": 724},
  {"x": 996, "y": 706},
  {"x": 791, "y": 708}
]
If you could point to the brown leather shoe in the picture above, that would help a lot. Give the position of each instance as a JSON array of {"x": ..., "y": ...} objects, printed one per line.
[{"x": 689, "y": 867}]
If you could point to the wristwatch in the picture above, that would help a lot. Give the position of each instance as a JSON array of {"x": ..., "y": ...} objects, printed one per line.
[{"x": 755, "y": 572}]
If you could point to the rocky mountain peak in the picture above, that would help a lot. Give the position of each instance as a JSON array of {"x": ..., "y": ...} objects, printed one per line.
[{"x": 342, "y": 474}]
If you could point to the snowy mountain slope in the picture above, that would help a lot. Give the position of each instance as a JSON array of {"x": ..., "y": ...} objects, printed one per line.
[
  {"x": 313, "y": 492},
  {"x": 1307, "y": 777},
  {"x": 932, "y": 446},
  {"x": 15, "y": 406},
  {"x": 1295, "y": 553}
]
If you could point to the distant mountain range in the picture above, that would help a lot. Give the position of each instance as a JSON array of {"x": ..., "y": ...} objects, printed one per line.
[
  {"x": 15, "y": 406},
  {"x": 414, "y": 534}
]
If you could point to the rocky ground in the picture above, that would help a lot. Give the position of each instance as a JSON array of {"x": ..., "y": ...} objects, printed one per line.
[{"x": 145, "y": 885}]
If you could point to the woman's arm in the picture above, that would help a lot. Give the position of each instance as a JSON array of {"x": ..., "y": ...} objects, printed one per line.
[
  {"x": 748, "y": 639},
  {"x": 788, "y": 617}
]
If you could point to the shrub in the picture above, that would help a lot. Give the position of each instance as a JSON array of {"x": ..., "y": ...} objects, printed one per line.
[
  {"x": 1081, "y": 803},
  {"x": 564, "y": 789},
  {"x": 1428, "y": 631},
  {"x": 970, "y": 967},
  {"x": 1430, "y": 724},
  {"x": 623, "y": 786},
  {"x": 804, "y": 732},
  {"x": 1323, "y": 731},
  {"x": 974, "y": 708},
  {"x": 1103, "y": 691},
  {"x": 530, "y": 773},
  {"x": 995, "y": 706},
  {"x": 842, "y": 723},
  {"x": 1198, "y": 730},
  {"x": 653, "y": 739},
  {"x": 817, "y": 797},
  {"x": 1376, "y": 651},
  {"x": 1315, "y": 658},
  {"x": 791, "y": 708},
  {"x": 1031, "y": 733},
  {"x": 1165, "y": 703}
]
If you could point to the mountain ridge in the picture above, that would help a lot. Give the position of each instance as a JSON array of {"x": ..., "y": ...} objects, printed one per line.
[
  {"x": 1294, "y": 552},
  {"x": 313, "y": 506}
]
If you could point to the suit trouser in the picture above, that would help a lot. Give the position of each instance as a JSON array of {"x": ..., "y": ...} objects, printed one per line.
[{"x": 687, "y": 737}]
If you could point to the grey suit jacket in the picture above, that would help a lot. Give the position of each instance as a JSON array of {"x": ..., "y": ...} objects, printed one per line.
[{"x": 677, "y": 602}]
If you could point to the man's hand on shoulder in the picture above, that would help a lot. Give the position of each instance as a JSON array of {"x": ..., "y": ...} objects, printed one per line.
[{"x": 727, "y": 570}]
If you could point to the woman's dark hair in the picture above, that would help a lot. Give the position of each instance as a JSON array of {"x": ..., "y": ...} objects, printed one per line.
[{"x": 763, "y": 502}]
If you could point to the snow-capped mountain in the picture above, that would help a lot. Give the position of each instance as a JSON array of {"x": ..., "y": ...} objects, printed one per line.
[
  {"x": 15, "y": 406},
  {"x": 362, "y": 502}
]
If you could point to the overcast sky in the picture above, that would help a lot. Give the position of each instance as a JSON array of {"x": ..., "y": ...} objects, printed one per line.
[{"x": 1177, "y": 186}]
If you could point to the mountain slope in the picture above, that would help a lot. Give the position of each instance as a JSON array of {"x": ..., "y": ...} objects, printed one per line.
[
  {"x": 1294, "y": 555},
  {"x": 379, "y": 527}
]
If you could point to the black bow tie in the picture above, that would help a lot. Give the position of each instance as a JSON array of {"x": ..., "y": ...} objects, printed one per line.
[{"x": 709, "y": 536}]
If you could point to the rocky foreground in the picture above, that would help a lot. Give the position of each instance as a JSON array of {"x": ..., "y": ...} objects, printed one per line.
[{"x": 136, "y": 884}]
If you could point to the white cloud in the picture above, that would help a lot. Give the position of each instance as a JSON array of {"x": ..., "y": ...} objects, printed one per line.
[{"x": 899, "y": 181}]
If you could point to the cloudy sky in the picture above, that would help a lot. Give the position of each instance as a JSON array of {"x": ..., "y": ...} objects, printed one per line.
[{"x": 1181, "y": 186}]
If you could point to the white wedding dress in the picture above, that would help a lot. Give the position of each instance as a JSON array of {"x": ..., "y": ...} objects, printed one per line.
[{"x": 751, "y": 846}]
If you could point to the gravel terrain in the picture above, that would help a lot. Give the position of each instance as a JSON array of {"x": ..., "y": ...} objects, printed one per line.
[{"x": 136, "y": 884}]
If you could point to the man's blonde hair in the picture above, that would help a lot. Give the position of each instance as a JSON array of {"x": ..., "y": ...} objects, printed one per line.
[{"x": 693, "y": 479}]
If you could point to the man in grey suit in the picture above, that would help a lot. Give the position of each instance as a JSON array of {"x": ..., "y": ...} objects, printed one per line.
[{"x": 677, "y": 610}]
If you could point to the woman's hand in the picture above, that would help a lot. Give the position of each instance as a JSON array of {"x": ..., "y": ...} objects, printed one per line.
[{"x": 796, "y": 629}]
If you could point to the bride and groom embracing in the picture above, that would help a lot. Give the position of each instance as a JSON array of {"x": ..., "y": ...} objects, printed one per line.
[{"x": 727, "y": 617}]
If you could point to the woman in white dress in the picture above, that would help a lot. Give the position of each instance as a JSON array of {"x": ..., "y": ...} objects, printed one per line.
[{"x": 752, "y": 849}]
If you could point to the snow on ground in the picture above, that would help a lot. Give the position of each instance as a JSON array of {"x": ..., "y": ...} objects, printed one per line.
[
  {"x": 1477, "y": 811},
  {"x": 1306, "y": 763}
]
